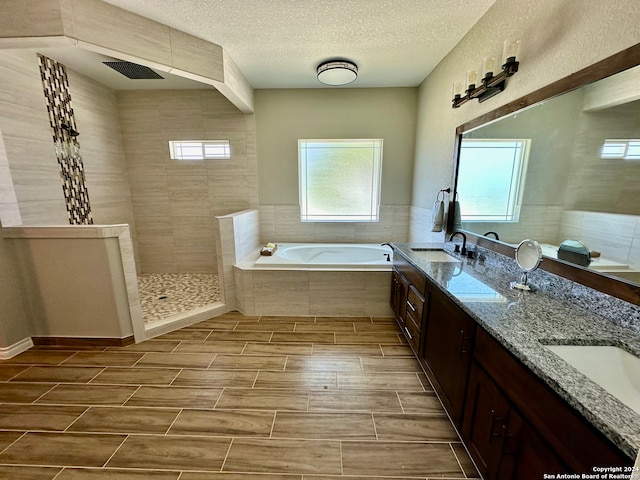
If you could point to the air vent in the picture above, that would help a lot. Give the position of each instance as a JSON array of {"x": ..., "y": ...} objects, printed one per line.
[{"x": 134, "y": 71}]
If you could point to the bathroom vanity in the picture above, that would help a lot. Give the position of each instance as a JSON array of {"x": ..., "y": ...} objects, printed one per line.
[{"x": 521, "y": 410}]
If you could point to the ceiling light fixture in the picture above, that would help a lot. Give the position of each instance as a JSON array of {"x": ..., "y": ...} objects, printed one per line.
[{"x": 337, "y": 72}]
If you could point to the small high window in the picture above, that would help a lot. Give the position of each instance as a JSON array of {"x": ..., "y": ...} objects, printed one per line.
[
  {"x": 199, "y": 149},
  {"x": 491, "y": 182},
  {"x": 622, "y": 149},
  {"x": 340, "y": 180}
]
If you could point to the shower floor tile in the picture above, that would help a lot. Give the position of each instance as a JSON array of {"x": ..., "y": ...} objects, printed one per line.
[{"x": 163, "y": 295}]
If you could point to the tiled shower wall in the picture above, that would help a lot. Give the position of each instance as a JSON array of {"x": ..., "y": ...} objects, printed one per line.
[
  {"x": 26, "y": 133},
  {"x": 176, "y": 202}
]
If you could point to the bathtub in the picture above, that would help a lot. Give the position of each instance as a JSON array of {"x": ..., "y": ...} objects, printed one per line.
[
  {"x": 316, "y": 279},
  {"x": 334, "y": 256}
]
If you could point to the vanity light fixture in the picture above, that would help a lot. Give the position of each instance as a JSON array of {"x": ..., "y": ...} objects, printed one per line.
[
  {"x": 337, "y": 72},
  {"x": 489, "y": 84}
]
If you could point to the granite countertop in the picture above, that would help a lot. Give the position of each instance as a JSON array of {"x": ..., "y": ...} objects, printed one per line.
[{"x": 523, "y": 322}]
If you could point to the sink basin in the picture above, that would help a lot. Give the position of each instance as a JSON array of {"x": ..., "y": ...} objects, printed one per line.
[
  {"x": 614, "y": 369},
  {"x": 434, "y": 255}
]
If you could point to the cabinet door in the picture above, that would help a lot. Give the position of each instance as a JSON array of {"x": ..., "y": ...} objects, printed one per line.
[
  {"x": 447, "y": 351},
  {"x": 485, "y": 417},
  {"x": 504, "y": 446},
  {"x": 398, "y": 297}
]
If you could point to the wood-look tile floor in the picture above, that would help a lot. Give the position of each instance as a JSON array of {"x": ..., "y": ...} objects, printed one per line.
[{"x": 230, "y": 398}]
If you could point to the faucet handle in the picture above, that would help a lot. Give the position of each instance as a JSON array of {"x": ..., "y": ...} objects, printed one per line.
[{"x": 456, "y": 248}]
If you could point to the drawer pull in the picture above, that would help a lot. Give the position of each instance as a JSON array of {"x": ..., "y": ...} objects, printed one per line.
[
  {"x": 408, "y": 333},
  {"x": 410, "y": 305},
  {"x": 461, "y": 344}
]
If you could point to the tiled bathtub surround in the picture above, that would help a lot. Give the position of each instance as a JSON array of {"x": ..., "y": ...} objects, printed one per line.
[
  {"x": 165, "y": 294},
  {"x": 560, "y": 312},
  {"x": 281, "y": 223}
]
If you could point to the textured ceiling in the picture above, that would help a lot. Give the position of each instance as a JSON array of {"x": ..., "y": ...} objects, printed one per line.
[{"x": 279, "y": 43}]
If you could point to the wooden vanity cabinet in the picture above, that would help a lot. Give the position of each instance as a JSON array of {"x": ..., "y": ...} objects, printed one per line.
[
  {"x": 516, "y": 427},
  {"x": 503, "y": 445},
  {"x": 399, "y": 287},
  {"x": 447, "y": 352},
  {"x": 409, "y": 300}
]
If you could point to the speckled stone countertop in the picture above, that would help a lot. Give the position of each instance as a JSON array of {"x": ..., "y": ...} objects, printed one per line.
[{"x": 523, "y": 322}]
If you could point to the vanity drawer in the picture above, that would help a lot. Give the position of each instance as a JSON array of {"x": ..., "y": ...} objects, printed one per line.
[
  {"x": 412, "y": 330},
  {"x": 415, "y": 303},
  {"x": 415, "y": 278}
]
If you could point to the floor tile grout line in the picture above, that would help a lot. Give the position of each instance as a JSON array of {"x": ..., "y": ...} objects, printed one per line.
[
  {"x": 226, "y": 455},
  {"x": 273, "y": 423},
  {"x": 174, "y": 348},
  {"x": 215, "y": 405},
  {"x": 375, "y": 430},
  {"x": 33, "y": 402},
  {"x": 455, "y": 455},
  {"x": 24, "y": 432},
  {"x": 115, "y": 451},
  {"x": 174, "y": 421},
  {"x": 400, "y": 401},
  {"x": 215, "y": 355},
  {"x": 140, "y": 359},
  {"x": 176, "y": 376},
  {"x": 123, "y": 404},
  {"x": 77, "y": 418}
]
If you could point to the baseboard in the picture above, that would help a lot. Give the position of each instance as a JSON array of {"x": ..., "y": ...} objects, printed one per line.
[
  {"x": 82, "y": 341},
  {"x": 16, "y": 349}
]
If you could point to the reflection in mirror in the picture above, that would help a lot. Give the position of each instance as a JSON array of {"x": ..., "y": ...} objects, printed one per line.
[{"x": 565, "y": 168}]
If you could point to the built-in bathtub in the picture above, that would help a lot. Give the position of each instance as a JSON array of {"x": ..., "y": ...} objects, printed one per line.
[
  {"x": 316, "y": 279},
  {"x": 323, "y": 256}
]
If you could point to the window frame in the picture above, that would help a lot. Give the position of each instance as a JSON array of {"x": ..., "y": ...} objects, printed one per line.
[
  {"x": 174, "y": 146},
  {"x": 516, "y": 192},
  {"x": 377, "y": 145},
  {"x": 626, "y": 145}
]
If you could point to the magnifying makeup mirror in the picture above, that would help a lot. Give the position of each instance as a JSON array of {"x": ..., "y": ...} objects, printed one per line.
[{"x": 528, "y": 257}]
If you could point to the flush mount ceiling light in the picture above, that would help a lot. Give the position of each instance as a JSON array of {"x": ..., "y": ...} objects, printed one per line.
[{"x": 335, "y": 73}]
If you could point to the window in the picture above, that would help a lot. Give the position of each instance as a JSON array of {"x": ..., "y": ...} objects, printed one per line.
[
  {"x": 200, "y": 149},
  {"x": 339, "y": 180},
  {"x": 623, "y": 149},
  {"x": 491, "y": 181}
]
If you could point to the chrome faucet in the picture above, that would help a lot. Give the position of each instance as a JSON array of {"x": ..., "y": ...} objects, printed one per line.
[
  {"x": 495, "y": 234},
  {"x": 464, "y": 243}
]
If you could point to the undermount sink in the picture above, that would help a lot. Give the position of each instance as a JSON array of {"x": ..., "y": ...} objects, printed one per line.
[
  {"x": 614, "y": 369},
  {"x": 434, "y": 255}
]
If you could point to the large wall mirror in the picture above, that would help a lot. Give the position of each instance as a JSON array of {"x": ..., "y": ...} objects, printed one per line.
[{"x": 561, "y": 166}]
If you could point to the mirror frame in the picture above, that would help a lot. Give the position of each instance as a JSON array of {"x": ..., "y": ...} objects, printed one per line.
[{"x": 617, "y": 63}]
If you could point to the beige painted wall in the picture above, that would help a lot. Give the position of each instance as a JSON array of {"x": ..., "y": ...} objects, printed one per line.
[
  {"x": 558, "y": 38},
  {"x": 176, "y": 202},
  {"x": 284, "y": 116},
  {"x": 15, "y": 321}
]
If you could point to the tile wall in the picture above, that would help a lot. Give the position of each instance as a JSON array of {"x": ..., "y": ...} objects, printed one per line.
[
  {"x": 616, "y": 236},
  {"x": 281, "y": 223},
  {"x": 28, "y": 143},
  {"x": 175, "y": 203}
]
